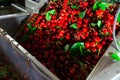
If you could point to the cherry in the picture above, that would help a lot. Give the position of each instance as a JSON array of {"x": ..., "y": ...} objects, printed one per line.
[
  {"x": 94, "y": 50},
  {"x": 87, "y": 45},
  {"x": 93, "y": 44},
  {"x": 111, "y": 17},
  {"x": 84, "y": 30},
  {"x": 84, "y": 25},
  {"x": 108, "y": 24},
  {"x": 103, "y": 42},
  {"x": 95, "y": 33},
  {"x": 49, "y": 40},
  {"x": 99, "y": 13},
  {"x": 97, "y": 57},
  {"x": 67, "y": 37},
  {"x": 52, "y": 69},
  {"x": 99, "y": 46},
  {"x": 97, "y": 39},
  {"x": 90, "y": 14},
  {"x": 110, "y": 38},
  {"x": 88, "y": 58},
  {"x": 88, "y": 11},
  {"x": 71, "y": 70},
  {"x": 85, "y": 4}
]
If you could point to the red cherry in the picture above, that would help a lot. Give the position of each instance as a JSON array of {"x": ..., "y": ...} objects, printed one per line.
[
  {"x": 83, "y": 37},
  {"x": 60, "y": 34},
  {"x": 105, "y": 32},
  {"x": 111, "y": 17},
  {"x": 90, "y": 14},
  {"x": 84, "y": 25},
  {"x": 110, "y": 38},
  {"x": 86, "y": 34},
  {"x": 67, "y": 37},
  {"x": 62, "y": 31},
  {"x": 94, "y": 50},
  {"x": 72, "y": 70},
  {"x": 103, "y": 42},
  {"x": 97, "y": 57},
  {"x": 84, "y": 30},
  {"x": 86, "y": 20},
  {"x": 95, "y": 33},
  {"x": 108, "y": 24},
  {"x": 99, "y": 46},
  {"x": 92, "y": 44},
  {"x": 99, "y": 13},
  {"x": 52, "y": 69},
  {"x": 76, "y": 66},
  {"x": 97, "y": 39},
  {"x": 87, "y": 45},
  {"x": 26, "y": 29},
  {"x": 88, "y": 11},
  {"x": 85, "y": 4}
]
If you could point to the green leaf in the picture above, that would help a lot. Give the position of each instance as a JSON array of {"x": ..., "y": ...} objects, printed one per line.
[
  {"x": 116, "y": 56},
  {"x": 95, "y": 6},
  {"x": 93, "y": 24},
  {"x": 51, "y": 11},
  {"x": 75, "y": 7},
  {"x": 82, "y": 14},
  {"x": 99, "y": 24},
  {"x": 29, "y": 25},
  {"x": 77, "y": 49},
  {"x": 74, "y": 26},
  {"x": 61, "y": 38},
  {"x": 33, "y": 30},
  {"x": 66, "y": 48},
  {"x": 118, "y": 19},
  {"x": 103, "y": 5},
  {"x": 48, "y": 14},
  {"x": 48, "y": 17},
  {"x": 80, "y": 63},
  {"x": 55, "y": 0}
]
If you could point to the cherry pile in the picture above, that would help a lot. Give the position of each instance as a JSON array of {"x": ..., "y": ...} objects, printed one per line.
[{"x": 69, "y": 36}]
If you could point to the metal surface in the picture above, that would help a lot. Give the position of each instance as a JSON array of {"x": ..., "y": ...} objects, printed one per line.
[
  {"x": 35, "y": 6},
  {"x": 11, "y": 18},
  {"x": 8, "y": 10},
  {"x": 11, "y": 21},
  {"x": 20, "y": 62},
  {"x": 37, "y": 65},
  {"x": 105, "y": 60},
  {"x": 112, "y": 72}
]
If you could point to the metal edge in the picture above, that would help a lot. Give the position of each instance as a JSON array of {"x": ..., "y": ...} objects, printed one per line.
[
  {"x": 14, "y": 15},
  {"x": 35, "y": 6},
  {"x": 25, "y": 52},
  {"x": 21, "y": 8},
  {"x": 40, "y": 4}
]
